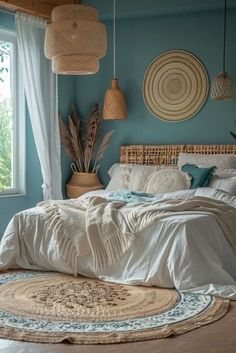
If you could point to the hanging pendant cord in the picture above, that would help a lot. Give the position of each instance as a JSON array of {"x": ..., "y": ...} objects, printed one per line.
[
  {"x": 224, "y": 43},
  {"x": 114, "y": 38}
]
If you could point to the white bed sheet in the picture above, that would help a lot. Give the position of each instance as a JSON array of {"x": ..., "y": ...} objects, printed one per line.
[{"x": 189, "y": 253}]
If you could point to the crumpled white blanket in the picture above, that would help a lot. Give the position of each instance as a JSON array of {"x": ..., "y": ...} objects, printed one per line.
[
  {"x": 190, "y": 250},
  {"x": 106, "y": 229},
  {"x": 89, "y": 225}
]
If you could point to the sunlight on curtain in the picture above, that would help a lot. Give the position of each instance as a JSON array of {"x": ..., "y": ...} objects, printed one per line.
[{"x": 41, "y": 92}]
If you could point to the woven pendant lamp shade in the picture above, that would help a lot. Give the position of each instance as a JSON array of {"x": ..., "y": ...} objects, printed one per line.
[
  {"x": 114, "y": 107},
  {"x": 222, "y": 87},
  {"x": 114, "y": 103},
  {"x": 75, "y": 40}
]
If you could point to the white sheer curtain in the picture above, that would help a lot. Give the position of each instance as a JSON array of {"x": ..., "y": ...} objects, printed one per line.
[{"x": 41, "y": 93}]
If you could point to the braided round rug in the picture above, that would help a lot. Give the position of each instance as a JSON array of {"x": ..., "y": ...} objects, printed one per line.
[{"x": 50, "y": 308}]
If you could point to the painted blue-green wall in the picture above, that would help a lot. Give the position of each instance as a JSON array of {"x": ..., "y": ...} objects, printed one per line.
[
  {"x": 139, "y": 41},
  {"x": 11, "y": 205},
  {"x": 140, "y": 8}
]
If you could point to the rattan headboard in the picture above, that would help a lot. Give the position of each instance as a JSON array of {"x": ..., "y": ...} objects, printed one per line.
[{"x": 167, "y": 154}]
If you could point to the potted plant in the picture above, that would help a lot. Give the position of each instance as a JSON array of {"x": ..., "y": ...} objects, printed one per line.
[{"x": 82, "y": 144}]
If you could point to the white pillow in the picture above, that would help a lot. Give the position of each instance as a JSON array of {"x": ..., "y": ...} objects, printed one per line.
[
  {"x": 168, "y": 180},
  {"x": 130, "y": 176},
  {"x": 224, "y": 183},
  {"x": 225, "y": 173},
  {"x": 223, "y": 161}
]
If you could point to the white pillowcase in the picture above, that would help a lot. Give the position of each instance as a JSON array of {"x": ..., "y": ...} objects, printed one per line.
[
  {"x": 224, "y": 184},
  {"x": 224, "y": 180},
  {"x": 137, "y": 178},
  {"x": 223, "y": 161},
  {"x": 168, "y": 180},
  {"x": 225, "y": 173},
  {"x": 131, "y": 176}
]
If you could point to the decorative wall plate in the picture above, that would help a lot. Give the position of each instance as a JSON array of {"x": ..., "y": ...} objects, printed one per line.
[{"x": 175, "y": 86}]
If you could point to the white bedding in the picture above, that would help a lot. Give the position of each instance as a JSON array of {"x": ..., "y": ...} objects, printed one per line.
[{"x": 189, "y": 252}]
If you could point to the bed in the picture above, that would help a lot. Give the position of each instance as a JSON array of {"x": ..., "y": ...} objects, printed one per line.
[
  {"x": 196, "y": 253},
  {"x": 46, "y": 237}
]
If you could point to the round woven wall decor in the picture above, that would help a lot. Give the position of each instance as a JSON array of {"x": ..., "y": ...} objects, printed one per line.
[{"x": 175, "y": 86}]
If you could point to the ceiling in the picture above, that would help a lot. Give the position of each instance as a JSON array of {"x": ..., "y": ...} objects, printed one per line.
[
  {"x": 140, "y": 8},
  {"x": 42, "y": 8},
  {"x": 125, "y": 8}
]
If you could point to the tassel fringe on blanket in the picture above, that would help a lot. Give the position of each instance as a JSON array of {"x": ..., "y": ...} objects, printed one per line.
[
  {"x": 106, "y": 229},
  {"x": 95, "y": 226},
  {"x": 55, "y": 224}
]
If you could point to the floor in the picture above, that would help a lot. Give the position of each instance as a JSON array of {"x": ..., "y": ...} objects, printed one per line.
[{"x": 219, "y": 337}]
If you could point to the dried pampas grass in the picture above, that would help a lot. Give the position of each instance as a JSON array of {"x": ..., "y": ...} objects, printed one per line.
[
  {"x": 91, "y": 137},
  {"x": 101, "y": 150},
  {"x": 81, "y": 140}
]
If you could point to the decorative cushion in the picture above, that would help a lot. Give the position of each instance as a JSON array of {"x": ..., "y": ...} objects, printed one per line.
[
  {"x": 168, "y": 180},
  {"x": 130, "y": 176},
  {"x": 200, "y": 176},
  {"x": 223, "y": 161}
]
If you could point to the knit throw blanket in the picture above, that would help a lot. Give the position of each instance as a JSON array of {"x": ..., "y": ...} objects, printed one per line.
[
  {"x": 106, "y": 229},
  {"x": 128, "y": 196}
]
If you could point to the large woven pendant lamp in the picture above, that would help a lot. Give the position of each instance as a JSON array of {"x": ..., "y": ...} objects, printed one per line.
[
  {"x": 222, "y": 86},
  {"x": 75, "y": 40},
  {"x": 114, "y": 103}
]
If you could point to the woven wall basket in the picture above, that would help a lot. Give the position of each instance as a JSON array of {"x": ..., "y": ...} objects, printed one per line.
[{"x": 175, "y": 86}]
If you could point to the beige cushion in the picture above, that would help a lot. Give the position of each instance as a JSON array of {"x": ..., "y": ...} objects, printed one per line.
[
  {"x": 131, "y": 176},
  {"x": 168, "y": 180}
]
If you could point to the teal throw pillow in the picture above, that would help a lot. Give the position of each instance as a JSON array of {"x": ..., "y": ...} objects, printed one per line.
[{"x": 200, "y": 176}]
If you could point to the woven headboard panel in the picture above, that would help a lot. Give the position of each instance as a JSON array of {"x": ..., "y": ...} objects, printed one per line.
[{"x": 167, "y": 154}]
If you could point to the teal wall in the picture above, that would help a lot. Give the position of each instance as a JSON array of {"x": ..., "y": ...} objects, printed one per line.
[
  {"x": 140, "y": 8},
  {"x": 139, "y": 41},
  {"x": 11, "y": 205}
]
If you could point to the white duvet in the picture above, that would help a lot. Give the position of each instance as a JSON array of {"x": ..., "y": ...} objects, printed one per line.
[{"x": 188, "y": 252}]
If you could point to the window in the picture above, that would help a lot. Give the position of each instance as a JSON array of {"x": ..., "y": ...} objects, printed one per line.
[{"x": 12, "y": 118}]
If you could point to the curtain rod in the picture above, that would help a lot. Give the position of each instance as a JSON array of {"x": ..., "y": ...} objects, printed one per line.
[
  {"x": 13, "y": 12},
  {"x": 9, "y": 12}
]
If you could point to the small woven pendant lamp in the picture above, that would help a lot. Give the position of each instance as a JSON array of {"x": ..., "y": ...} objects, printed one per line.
[
  {"x": 75, "y": 40},
  {"x": 114, "y": 103},
  {"x": 222, "y": 86}
]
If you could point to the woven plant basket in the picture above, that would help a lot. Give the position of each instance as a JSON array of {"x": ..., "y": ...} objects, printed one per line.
[{"x": 80, "y": 183}]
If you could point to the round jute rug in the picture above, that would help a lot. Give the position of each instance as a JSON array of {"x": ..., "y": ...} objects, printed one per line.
[{"x": 50, "y": 307}]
